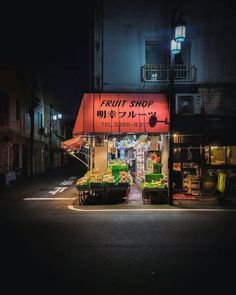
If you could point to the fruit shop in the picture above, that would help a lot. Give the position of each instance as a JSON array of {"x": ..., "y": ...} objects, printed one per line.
[{"x": 126, "y": 136}]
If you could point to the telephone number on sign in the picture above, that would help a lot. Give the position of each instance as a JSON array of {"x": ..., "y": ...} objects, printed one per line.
[{"x": 124, "y": 124}]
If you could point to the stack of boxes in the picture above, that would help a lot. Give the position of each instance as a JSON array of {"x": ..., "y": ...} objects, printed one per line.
[{"x": 191, "y": 185}]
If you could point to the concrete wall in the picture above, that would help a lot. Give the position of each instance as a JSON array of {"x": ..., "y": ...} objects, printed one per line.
[
  {"x": 127, "y": 24},
  {"x": 126, "y": 27}
]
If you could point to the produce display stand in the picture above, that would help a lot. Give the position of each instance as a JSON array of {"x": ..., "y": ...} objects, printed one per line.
[
  {"x": 97, "y": 192},
  {"x": 82, "y": 192},
  {"x": 90, "y": 192},
  {"x": 118, "y": 192},
  {"x": 155, "y": 195},
  {"x": 103, "y": 192}
]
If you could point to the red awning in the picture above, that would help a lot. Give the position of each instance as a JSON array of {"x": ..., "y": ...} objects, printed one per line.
[
  {"x": 73, "y": 143},
  {"x": 108, "y": 113}
]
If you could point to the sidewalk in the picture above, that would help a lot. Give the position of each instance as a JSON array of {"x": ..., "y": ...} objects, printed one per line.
[
  {"x": 202, "y": 203},
  {"x": 17, "y": 191}
]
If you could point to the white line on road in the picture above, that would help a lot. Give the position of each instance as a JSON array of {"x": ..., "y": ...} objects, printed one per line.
[
  {"x": 47, "y": 199},
  {"x": 58, "y": 189},
  {"x": 67, "y": 182},
  {"x": 149, "y": 209}
]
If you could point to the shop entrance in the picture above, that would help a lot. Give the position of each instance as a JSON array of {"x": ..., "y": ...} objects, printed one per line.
[
  {"x": 128, "y": 135},
  {"x": 128, "y": 169}
]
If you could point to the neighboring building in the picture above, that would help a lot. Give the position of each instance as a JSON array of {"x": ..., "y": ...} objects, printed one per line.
[
  {"x": 55, "y": 122},
  {"x": 130, "y": 53},
  {"x": 17, "y": 95},
  {"x": 14, "y": 133}
]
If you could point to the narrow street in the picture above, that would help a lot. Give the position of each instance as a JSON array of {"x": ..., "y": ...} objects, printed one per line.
[{"x": 46, "y": 247}]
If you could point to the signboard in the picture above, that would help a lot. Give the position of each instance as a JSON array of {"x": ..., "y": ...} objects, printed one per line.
[
  {"x": 221, "y": 181},
  {"x": 108, "y": 113}
]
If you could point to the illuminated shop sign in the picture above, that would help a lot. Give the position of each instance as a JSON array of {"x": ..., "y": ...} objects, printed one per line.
[{"x": 122, "y": 113}]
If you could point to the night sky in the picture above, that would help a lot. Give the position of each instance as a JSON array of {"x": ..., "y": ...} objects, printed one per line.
[{"x": 52, "y": 39}]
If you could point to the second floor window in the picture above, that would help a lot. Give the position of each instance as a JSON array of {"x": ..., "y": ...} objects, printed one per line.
[
  {"x": 39, "y": 120},
  {"x": 156, "y": 52}
]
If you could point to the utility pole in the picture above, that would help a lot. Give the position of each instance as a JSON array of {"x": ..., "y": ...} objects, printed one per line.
[
  {"x": 50, "y": 137},
  {"x": 171, "y": 95},
  {"x": 178, "y": 25},
  {"x": 31, "y": 145},
  {"x": 171, "y": 112}
]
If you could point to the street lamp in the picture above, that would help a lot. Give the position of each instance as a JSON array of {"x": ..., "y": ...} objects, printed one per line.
[
  {"x": 50, "y": 136},
  {"x": 175, "y": 48},
  {"x": 180, "y": 32}
]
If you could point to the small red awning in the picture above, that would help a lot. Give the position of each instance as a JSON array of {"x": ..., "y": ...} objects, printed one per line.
[
  {"x": 115, "y": 113},
  {"x": 73, "y": 143}
]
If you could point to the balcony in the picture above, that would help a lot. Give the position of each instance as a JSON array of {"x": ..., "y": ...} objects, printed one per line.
[{"x": 161, "y": 73}]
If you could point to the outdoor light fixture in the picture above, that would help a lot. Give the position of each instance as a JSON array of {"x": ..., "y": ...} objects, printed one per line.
[
  {"x": 59, "y": 116},
  {"x": 179, "y": 29},
  {"x": 180, "y": 33},
  {"x": 54, "y": 117},
  {"x": 175, "y": 47}
]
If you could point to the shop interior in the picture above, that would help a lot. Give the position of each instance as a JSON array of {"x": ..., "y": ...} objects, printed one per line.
[
  {"x": 203, "y": 171},
  {"x": 138, "y": 163}
]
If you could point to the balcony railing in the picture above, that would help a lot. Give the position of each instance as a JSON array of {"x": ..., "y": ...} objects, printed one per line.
[{"x": 161, "y": 73}]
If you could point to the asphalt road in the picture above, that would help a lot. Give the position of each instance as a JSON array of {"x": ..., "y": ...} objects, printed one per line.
[{"x": 47, "y": 248}]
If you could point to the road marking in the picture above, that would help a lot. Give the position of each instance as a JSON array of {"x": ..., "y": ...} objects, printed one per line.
[
  {"x": 67, "y": 182},
  {"x": 58, "y": 189},
  {"x": 47, "y": 199},
  {"x": 149, "y": 209}
]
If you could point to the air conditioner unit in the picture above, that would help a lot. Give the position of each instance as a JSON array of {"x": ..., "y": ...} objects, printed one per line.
[{"x": 188, "y": 103}]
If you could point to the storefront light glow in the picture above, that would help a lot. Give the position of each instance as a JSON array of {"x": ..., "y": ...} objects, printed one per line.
[
  {"x": 59, "y": 116},
  {"x": 54, "y": 117}
]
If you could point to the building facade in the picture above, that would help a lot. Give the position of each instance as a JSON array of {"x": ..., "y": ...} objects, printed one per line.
[
  {"x": 130, "y": 52},
  {"x": 25, "y": 123}
]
